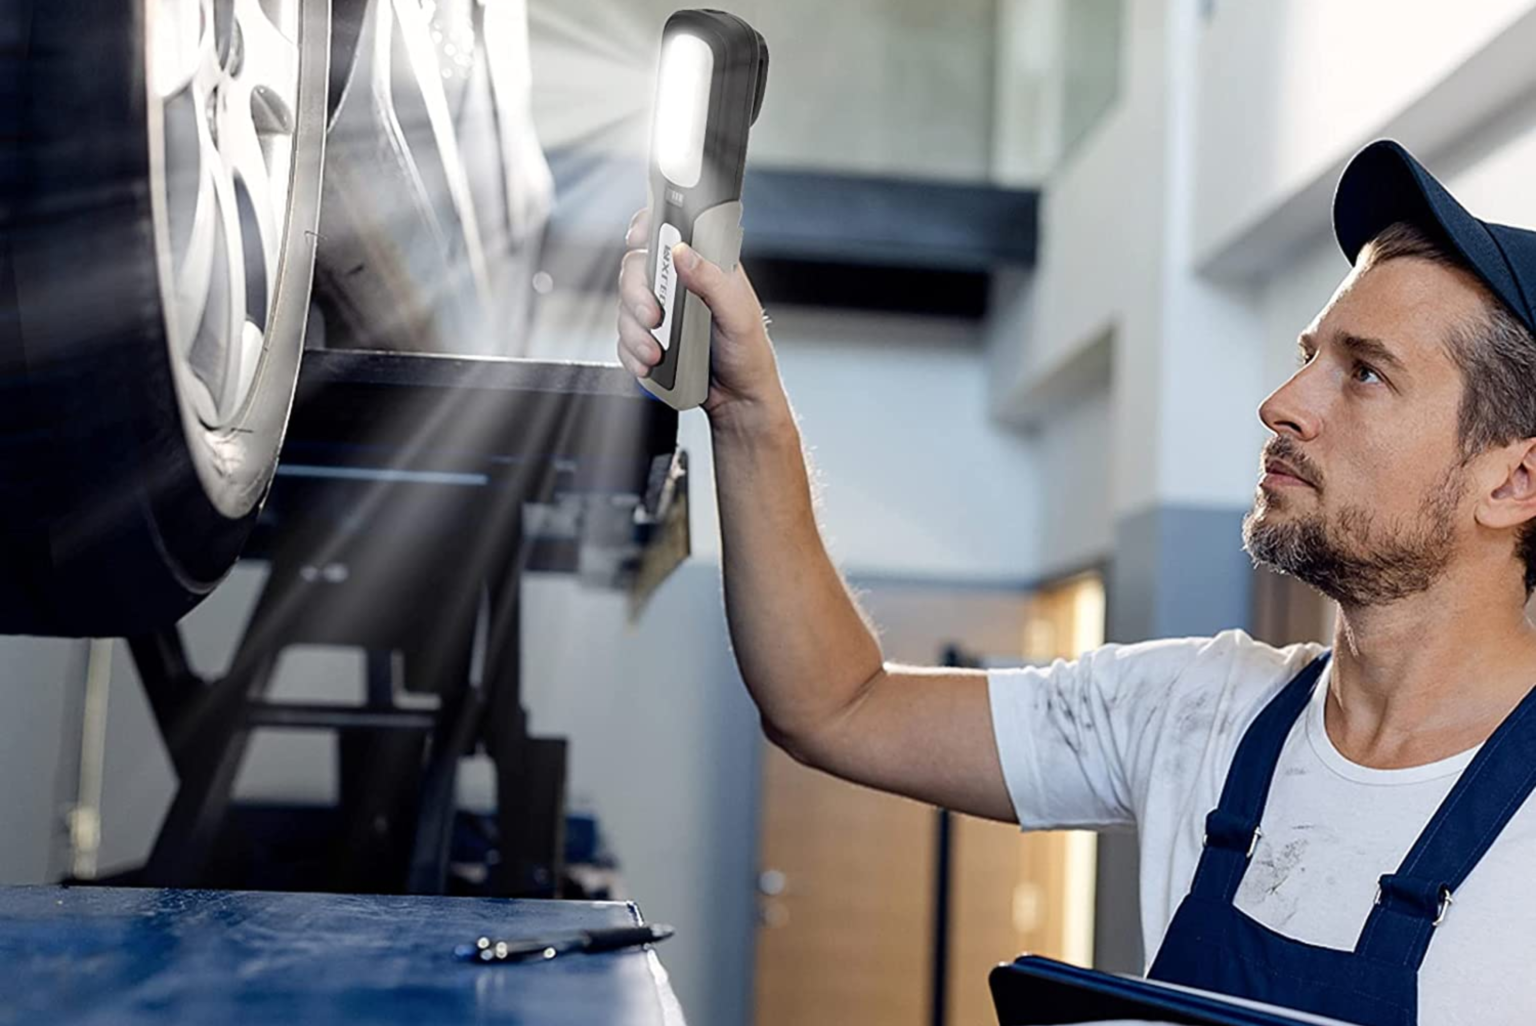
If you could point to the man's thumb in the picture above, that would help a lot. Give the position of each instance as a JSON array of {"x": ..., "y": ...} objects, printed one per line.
[
  {"x": 711, "y": 284},
  {"x": 702, "y": 277}
]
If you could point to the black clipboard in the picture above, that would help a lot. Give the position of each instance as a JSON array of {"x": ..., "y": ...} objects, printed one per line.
[{"x": 1037, "y": 991}]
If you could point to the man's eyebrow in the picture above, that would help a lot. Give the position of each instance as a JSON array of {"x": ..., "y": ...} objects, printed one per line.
[
  {"x": 1358, "y": 346},
  {"x": 1372, "y": 349}
]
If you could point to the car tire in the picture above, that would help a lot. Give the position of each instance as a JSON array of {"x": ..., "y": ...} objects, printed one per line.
[{"x": 163, "y": 196}]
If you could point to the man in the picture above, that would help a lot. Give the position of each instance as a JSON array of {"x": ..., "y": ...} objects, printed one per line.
[{"x": 1307, "y": 818}]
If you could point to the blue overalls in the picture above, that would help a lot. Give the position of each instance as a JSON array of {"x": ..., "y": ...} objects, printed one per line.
[{"x": 1212, "y": 945}]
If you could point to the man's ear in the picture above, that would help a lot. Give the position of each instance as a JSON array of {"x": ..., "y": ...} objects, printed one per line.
[{"x": 1513, "y": 501}]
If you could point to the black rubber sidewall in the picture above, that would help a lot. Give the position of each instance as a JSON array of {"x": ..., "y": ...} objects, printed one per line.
[{"x": 133, "y": 540}]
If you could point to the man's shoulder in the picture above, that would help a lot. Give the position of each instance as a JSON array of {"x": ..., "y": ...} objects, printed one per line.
[
  {"x": 1232, "y": 661},
  {"x": 1187, "y": 703}
]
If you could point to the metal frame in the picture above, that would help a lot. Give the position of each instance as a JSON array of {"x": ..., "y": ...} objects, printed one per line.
[{"x": 398, "y": 525}]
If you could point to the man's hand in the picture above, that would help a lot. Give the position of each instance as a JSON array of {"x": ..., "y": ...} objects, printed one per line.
[{"x": 744, "y": 376}]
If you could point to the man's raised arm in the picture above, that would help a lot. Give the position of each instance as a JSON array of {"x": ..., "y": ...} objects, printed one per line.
[{"x": 809, "y": 658}]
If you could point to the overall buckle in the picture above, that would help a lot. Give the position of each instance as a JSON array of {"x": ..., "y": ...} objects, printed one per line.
[
  {"x": 1418, "y": 896},
  {"x": 1230, "y": 832}
]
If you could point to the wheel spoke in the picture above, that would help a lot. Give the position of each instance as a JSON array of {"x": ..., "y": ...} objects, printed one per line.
[
  {"x": 242, "y": 155},
  {"x": 269, "y": 63},
  {"x": 216, "y": 354},
  {"x": 209, "y": 72},
  {"x": 191, "y": 157},
  {"x": 206, "y": 353},
  {"x": 194, "y": 266},
  {"x": 213, "y": 296},
  {"x": 195, "y": 272},
  {"x": 176, "y": 43}
]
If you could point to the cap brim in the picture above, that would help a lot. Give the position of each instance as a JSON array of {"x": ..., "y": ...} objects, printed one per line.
[{"x": 1383, "y": 184}]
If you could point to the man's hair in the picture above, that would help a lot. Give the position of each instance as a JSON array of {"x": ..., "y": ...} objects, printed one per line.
[{"x": 1497, "y": 358}]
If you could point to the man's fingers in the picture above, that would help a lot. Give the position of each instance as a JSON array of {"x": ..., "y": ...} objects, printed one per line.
[
  {"x": 632, "y": 268},
  {"x": 637, "y": 341},
  {"x": 631, "y": 364},
  {"x": 638, "y": 313},
  {"x": 635, "y": 356},
  {"x": 635, "y": 289},
  {"x": 639, "y": 228},
  {"x": 642, "y": 307}
]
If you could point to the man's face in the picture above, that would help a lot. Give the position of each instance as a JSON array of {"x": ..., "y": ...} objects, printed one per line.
[{"x": 1362, "y": 486}]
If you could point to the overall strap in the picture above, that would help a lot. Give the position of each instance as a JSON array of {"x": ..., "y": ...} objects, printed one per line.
[
  {"x": 1412, "y": 902},
  {"x": 1232, "y": 828}
]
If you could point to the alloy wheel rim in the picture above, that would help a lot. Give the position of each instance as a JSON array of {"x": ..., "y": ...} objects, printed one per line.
[{"x": 226, "y": 74}]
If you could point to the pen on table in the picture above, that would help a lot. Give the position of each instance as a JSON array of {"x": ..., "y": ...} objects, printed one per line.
[{"x": 490, "y": 950}]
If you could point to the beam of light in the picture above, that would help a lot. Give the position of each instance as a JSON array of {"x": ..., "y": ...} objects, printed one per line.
[
  {"x": 623, "y": 53},
  {"x": 596, "y": 77},
  {"x": 617, "y": 36}
]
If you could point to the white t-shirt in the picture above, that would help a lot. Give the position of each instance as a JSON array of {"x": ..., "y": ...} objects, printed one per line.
[{"x": 1142, "y": 735}]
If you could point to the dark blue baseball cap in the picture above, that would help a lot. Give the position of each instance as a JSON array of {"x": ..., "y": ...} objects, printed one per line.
[{"x": 1384, "y": 184}]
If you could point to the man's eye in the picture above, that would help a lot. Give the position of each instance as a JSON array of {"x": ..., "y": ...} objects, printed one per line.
[
  {"x": 1366, "y": 374},
  {"x": 1303, "y": 357}
]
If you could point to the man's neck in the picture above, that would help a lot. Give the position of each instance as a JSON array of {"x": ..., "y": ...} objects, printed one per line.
[{"x": 1426, "y": 677}]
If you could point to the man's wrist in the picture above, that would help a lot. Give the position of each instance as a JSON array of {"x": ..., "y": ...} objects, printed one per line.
[{"x": 749, "y": 419}]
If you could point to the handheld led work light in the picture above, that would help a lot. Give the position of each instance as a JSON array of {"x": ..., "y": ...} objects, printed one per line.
[{"x": 714, "y": 67}]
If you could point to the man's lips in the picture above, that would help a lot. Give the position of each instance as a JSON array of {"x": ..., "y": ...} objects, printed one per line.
[{"x": 1278, "y": 472}]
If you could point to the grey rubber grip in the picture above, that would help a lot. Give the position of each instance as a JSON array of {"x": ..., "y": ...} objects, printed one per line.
[{"x": 717, "y": 238}]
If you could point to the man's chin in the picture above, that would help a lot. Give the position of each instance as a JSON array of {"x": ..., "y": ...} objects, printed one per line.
[
  {"x": 1265, "y": 510},
  {"x": 1268, "y": 541}
]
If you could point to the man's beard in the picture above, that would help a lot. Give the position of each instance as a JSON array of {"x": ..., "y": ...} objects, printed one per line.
[{"x": 1348, "y": 558}]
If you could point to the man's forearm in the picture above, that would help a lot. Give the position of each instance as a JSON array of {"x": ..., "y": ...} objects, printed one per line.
[{"x": 803, "y": 648}]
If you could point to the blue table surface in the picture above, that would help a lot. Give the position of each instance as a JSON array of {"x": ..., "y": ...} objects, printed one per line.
[{"x": 126, "y": 956}]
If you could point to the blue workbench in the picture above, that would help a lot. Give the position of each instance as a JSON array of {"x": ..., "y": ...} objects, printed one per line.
[{"x": 126, "y": 957}]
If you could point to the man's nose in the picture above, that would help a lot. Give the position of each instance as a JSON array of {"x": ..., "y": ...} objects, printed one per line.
[{"x": 1290, "y": 410}]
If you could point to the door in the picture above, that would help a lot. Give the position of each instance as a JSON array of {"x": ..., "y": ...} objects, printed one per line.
[{"x": 848, "y": 883}]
